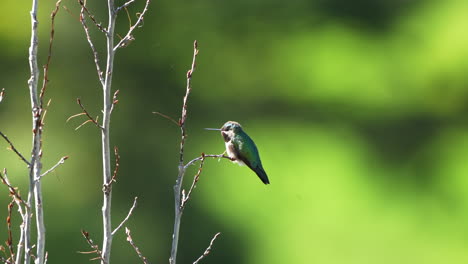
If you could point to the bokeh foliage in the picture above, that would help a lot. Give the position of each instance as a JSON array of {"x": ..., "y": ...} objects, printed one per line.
[{"x": 358, "y": 108}]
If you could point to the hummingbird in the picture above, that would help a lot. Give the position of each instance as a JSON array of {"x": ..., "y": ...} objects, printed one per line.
[{"x": 241, "y": 148}]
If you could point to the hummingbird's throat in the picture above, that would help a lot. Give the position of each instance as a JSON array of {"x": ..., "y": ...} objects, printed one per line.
[{"x": 226, "y": 136}]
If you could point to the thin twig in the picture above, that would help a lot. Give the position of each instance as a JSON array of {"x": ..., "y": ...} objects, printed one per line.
[
  {"x": 20, "y": 246},
  {"x": 9, "y": 241},
  {"x": 127, "y": 217},
  {"x": 220, "y": 156},
  {"x": 208, "y": 249},
  {"x": 12, "y": 190},
  {"x": 129, "y": 37},
  {"x": 90, "y": 42},
  {"x": 45, "y": 112},
  {"x": 14, "y": 149},
  {"x": 61, "y": 161},
  {"x": 117, "y": 165},
  {"x": 98, "y": 25},
  {"x": 19, "y": 202},
  {"x": 90, "y": 118},
  {"x": 137, "y": 250},
  {"x": 185, "y": 198},
  {"x": 114, "y": 100},
  {"x": 124, "y": 5},
  {"x": 181, "y": 167},
  {"x": 184, "y": 105},
  {"x": 93, "y": 246},
  {"x": 168, "y": 118},
  {"x": 106, "y": 187},
  {"x": 45, "y": 80},
  {"x": 73, "y": 116}
]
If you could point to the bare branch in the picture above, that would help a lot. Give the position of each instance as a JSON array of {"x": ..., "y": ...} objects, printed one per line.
[
  {"x": 90, "y": 118},
  {"x": 208, "y": 249},
  {"x": 114, "y": 100},
  {"x": 137, "y": 250},
  {"x": 73, "y": 116},
  {"x": 45, "y": 111},
  {"x": 9, "y": 241},
  {"x": 45, "y": 80},
  {"x": 90, "y": 42},
  {"x": 61, "y": 161},
  {"x": 14, "y": 149},
  {"x": 168, "y": 118},
  {"x": 184, "y": 105},
  {"x": 220, "y": 156},
  {"x": 91, "y": 16},
  {"x": 13, "y": 190},
  {"x": 124, "y": 5},
  {"x": 117, "y": 165},
  {"x": 180, "y": 176},
  {"x": 185, "y": 198},
  {"x": 129, "y": 37},
  {"x": 93, "y": 246},
  {"x": 127, "y": 217},
  {"x": 107, "y": 186},
  {"x": 19, "y": 202},
  {"x": 71, "y": 13}
]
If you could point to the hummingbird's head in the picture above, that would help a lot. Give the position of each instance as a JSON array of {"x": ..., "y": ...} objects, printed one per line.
[
  {"x": 231, "y": 126},
  {"x": 228, "y": 130}
]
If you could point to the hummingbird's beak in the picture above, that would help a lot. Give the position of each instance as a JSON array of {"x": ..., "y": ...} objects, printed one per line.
[{"x": 217, "y": 129}]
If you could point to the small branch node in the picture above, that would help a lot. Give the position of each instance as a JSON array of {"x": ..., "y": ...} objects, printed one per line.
[
  {"x": 90, "y": 118},
  {"x": 185, "y": 198},
  {"x": 93, "y": 246},
  {"x": 137, "y": 250},
  {"x": 125, "y": 41}
]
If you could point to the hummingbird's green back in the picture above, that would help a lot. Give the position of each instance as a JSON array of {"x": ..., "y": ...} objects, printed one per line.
[{"x": 248, "y": 153}]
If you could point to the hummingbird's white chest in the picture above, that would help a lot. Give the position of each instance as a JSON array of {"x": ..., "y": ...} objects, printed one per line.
[{"x": 232, "y": 153}]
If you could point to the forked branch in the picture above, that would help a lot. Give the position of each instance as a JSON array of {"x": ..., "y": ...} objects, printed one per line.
[{"x": 129, "y": 37}]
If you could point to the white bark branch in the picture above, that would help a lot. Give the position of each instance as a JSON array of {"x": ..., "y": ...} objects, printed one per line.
[
  {"x": 127, "y": 217},
  {"x": 128, "y": 37},
  {"x": 61, "y": 161},
  {"x": 106, "y": 165},
  {"x": 35, "y": 189},
  {"x": 180, "y": 177},
  {"x": 208, "y": 249}
]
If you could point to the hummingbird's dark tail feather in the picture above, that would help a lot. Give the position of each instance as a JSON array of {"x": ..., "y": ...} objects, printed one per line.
[
  {"x": 258, "y": 169},
  {"x": 262, "y": 175}
]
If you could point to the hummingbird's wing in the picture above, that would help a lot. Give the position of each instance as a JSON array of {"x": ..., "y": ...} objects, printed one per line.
[{"x": 248, "y": 153}]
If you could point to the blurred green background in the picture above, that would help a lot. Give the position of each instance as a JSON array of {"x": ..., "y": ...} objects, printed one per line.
[{"x": 358, "y": 109}]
